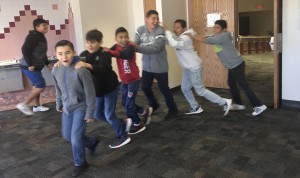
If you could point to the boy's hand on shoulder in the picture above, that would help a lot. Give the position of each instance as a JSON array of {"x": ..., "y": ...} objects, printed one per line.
[
  {"x": 133, "y": 44},
  {"x": 189, "y": 35},
  {"x": 105, "y": 49},
  {"x": 50, "y": 66},
  {"x": 59, "y": 110},
  {"x": 57, "y": 64},
  {"x": 89, "y": 120},
  {"x": 80, "y": 64},
  {"x": 31, "y": 68}
]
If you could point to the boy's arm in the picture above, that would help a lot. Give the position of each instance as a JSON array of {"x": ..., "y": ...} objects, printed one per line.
[
  {"x": 157, "y": 46},
  {"x": 89, "y": 90},
  {"x": 127, "y": 53},
  {"x": 137, "y": 39},
  {"x": 99, "y": 67},
  {"x": 59, "y": 104},
  {"x": 212, "y": 40},
  {"x": 180, "y": 43}
]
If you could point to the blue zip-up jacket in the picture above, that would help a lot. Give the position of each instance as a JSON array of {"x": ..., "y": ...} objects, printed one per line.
[{"x": 74, "y": 89}]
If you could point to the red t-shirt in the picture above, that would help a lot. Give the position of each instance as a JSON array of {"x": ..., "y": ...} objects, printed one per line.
[{"x": 126, "y": 61}]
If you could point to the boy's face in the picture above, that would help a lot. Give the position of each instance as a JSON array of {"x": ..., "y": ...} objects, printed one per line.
[
  {"x": 65, "y": 55},
  {"x": 122, "y": 38},
  {"x": 152, "y": 21},
  {"x": 178, "y": 30},
  {"x": 93, "y": 46},
  {"x": 218, "y": 29},
  {"x": 42, "y": 28}
]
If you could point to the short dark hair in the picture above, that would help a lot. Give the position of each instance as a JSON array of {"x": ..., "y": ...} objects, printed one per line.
[
  {"x": 182, "y": 22},
  {"x": 65, "y": 43},
  {"x": 120, "y": 30},
  {"x": 94, "y": 35},
  {"x": 150, "y": 12},
  {"x": 222, "y": 23},
  {"x": 38, "y": 22}
]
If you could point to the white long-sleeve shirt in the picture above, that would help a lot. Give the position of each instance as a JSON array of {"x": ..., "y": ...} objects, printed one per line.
[{"x": 186, "y": 54}]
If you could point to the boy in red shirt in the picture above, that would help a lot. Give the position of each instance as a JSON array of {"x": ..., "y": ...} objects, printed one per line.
[{"x": 130, "y": 78}]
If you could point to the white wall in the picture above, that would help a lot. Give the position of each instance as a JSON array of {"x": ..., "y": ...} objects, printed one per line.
[{"x": 291, "y": 52}]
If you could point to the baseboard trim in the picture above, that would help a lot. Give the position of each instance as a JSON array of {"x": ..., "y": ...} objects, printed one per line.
[{"x": 291, "y": 104}]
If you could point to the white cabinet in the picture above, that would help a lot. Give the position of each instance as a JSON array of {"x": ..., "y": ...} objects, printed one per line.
[{"x": 11, "y": 79}]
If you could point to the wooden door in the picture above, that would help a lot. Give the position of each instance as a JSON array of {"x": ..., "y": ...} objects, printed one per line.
[
  {"x": 149, "y": 5},
  {"x": 214, "y": 73}
]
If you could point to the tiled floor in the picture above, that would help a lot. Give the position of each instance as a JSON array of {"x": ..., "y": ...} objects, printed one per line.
[{"x": 207, "y": 145}]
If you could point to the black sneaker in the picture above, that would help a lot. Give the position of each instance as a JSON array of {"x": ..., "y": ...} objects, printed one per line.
[
  {"x": 137, "y": 129},
  {"x": 119, "y": 142},
  {"x": 79, "y": 170},
  {"x": 147, "y": 116},
  {"x": 171, "y": 114},
  {"x": 198, "y": 110},
  {"x": 93, "y": 148}
]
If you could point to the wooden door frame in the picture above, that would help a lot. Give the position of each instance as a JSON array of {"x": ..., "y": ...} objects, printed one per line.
[{"x": 277, "y": 65}]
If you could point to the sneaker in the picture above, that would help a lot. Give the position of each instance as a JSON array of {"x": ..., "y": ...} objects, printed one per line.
[
  {"x": 119, "y": 142},
  {"x": 227, "y": 106},
  {"x": 40, "y": 108},
  {"x": 93, "y": 148},
  {"x": 79, "y": 170},
  {"x": 137, "y": 129},
  {"x": 128, "y": 124},
  {"x": 24, "y": 109},
  {"x": 198, "y": 110},
  {"x": 171, "y": 114},
  {"x": 147, "y": 116},
  {"x": 236, "y": 107},
  {"x": 258, "y": 110}
]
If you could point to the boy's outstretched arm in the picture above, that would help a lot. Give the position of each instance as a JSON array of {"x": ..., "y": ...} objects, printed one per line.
[
  {"x": 197, "y": 38},
  {"x": 127, "y": 53}
]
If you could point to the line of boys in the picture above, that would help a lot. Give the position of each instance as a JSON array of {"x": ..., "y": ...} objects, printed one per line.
[{"x": 81, "y": 93}]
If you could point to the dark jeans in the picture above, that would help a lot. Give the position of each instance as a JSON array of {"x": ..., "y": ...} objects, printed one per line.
[
  {"x": 236, "y": 76},
  {"x": 163, "y": 84},
  {"x": 129, "y": 92}
]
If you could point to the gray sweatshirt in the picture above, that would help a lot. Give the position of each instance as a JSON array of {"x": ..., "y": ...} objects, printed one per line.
[
  {"x": 74, "y": 89},
  {"x": 152, "y": 46},
  {"x": 225, "y": 50}
]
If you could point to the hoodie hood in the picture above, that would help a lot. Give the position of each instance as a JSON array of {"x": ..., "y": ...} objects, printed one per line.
[{"x": 191, "y": 31}]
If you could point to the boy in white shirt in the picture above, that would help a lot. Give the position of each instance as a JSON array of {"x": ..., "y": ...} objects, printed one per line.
[{"x": 192, "y": 69}]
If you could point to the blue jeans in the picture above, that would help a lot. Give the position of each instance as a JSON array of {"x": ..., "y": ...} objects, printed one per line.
[
  {"x": 105, "y": 110},
  {"x": 163, "y": 84},
  {"x": 129, "y": 92},
  {"x": 73, "y": 130},
  {"x": 193, "y": 79}
]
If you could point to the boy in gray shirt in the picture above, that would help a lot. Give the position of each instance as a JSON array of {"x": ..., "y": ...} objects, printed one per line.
[
  {"x": 150, "y": 41},
  {"x": 229, "y": 57},
  {"x": 75, "y": 98}
]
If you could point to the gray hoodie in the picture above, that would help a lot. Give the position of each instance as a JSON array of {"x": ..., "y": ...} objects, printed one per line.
[
  {"x": 225, "y": 50},
  {"x": 74, "y": 89},
  {"x": 152, "y": 46}
]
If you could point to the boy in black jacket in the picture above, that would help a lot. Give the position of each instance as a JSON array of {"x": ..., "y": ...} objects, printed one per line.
[
  {"x": 106, "y": 83},
  {"x": 34, "y": 59}
]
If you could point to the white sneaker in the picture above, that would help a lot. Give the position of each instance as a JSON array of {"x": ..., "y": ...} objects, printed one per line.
[
  {"x": 236, "y": 107},
  {"x": 24, "y": 109},
  {"x": 198, "y": 110},
  {"x": 258, "y": 110},
  {"x": 40, "y": 109},
  {"x": 227, "y": 106}
]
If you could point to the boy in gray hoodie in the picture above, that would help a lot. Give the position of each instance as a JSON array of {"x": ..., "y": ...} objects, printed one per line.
[
  {"x": 75, "y": 98},
  {"x": 229, "y": 57},
  {"x": 150, "y": 41}
]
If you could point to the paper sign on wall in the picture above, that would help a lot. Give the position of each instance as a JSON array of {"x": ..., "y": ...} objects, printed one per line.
[{"x": 211, "y": 18}]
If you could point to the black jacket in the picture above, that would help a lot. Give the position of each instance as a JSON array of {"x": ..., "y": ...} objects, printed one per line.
[
  {"x": 105, "y": 79},
  {"x": 34, "y": 51}
]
